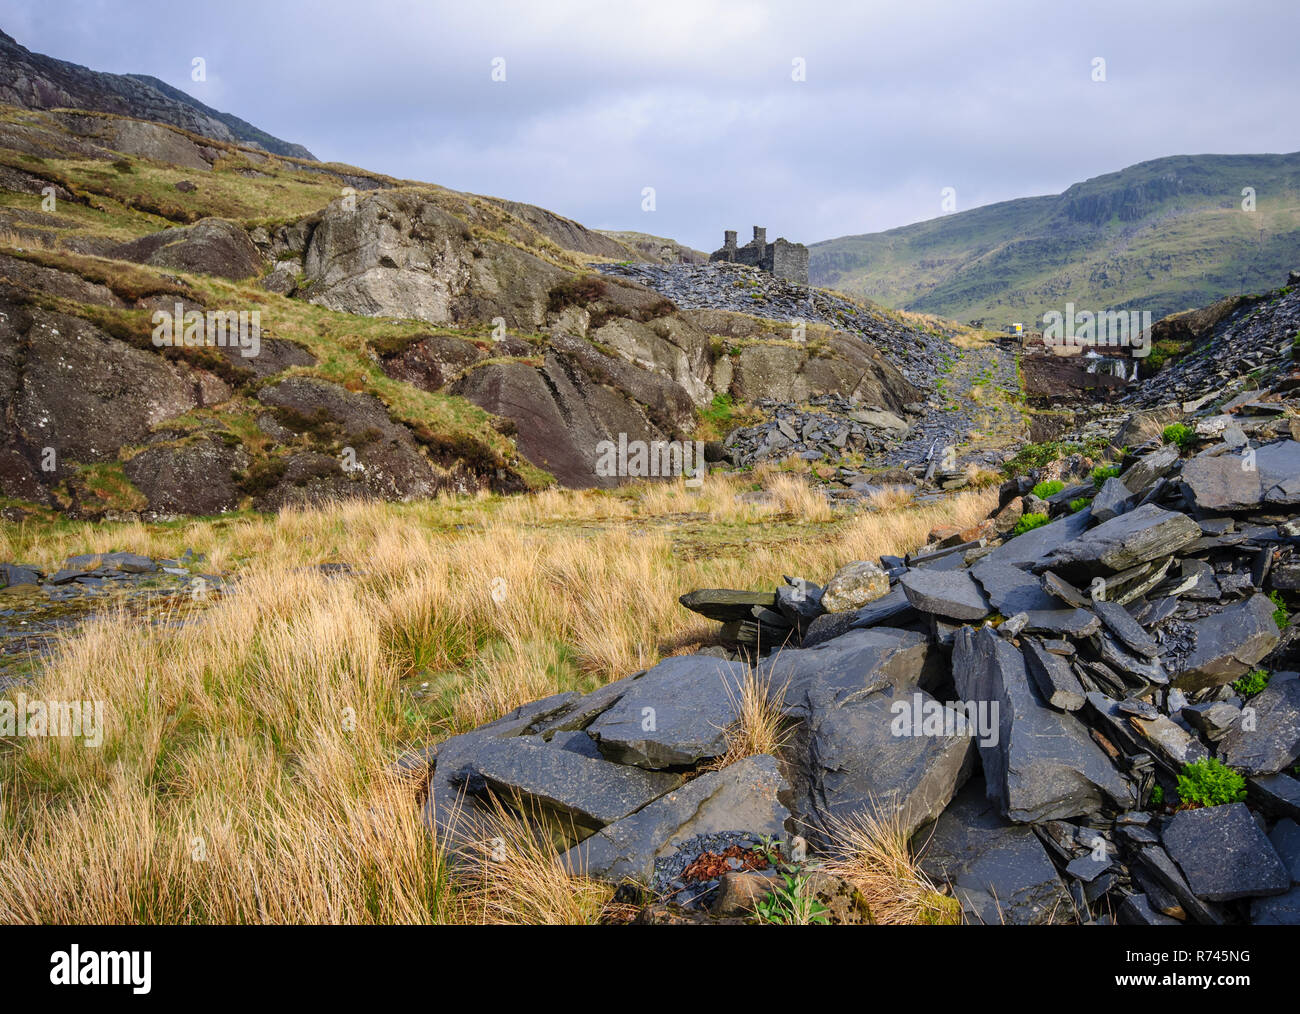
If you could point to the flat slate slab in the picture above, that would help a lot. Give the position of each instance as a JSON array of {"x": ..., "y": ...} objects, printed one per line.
[
  {"x": 1044, "y": 765},
  {"x": 1119, "y": 621},
  {"x": 593, "y": 792},
  {"x": 1279, "y": 471},
  {"x": 1280, "y": 910},
  {"x": 1226, "y": 482},
  {"x": 674, "y": 714},
  {"x": 849, "y": 668},
  {"x": 1011, "y": 589},
  {"x": 1000, "y": 872},
  {"x": 1224, "y": 855},
  {"x": 1037, "y": 543},
  {"x": 951, "y": 593},
  {"x": 748, "y": 796},
  {"x": 1077, "y": 623},
  {"x": 1227, "y": 645},
  {"x": 1144, "y": 534},
  {"x": 1273, "y": 744},
  {"x": 726, "y": 605},
  {"x": 879, "y": 755},
  {"x": 1054, "y": 677}
]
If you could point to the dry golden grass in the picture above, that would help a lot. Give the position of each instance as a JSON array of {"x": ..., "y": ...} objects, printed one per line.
[
  {"x": 870, "y": 849},
  {"x": 759, "y": 728},
  {"x": 244, "y": 773},
  {"x": 890, "y": 498}
]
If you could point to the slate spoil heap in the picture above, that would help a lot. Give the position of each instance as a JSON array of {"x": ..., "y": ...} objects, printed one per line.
[{"x": 1023, "y": 706}]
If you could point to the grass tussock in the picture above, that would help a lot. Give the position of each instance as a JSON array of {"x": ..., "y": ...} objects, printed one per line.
[
  {"x": 244, "y": 770},
  {"x": 870, "y": 849}
]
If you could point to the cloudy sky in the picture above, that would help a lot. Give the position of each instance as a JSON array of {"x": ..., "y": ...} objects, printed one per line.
[{"x": 697, "y": 98}]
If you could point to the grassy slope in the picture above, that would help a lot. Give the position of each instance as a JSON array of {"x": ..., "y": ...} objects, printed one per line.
[{"x": 1163, "y": 235}]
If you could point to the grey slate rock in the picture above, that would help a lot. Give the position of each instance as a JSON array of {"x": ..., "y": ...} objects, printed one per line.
[
  {"x": 1112, "y": 500},
  {"x": 1223, "y": 483},
  {"x": 1224, "y": 855},
  {"x": 1158, "y": 864},
  {"x": 1279, "y": 472},
  {"x": 1280, "y": 910},
  {"x": 1037, "y": 543},
  {"x": 849, "y": 668},
  {"x": 892, "y": 609},
  {"x": 1212, "y": 718},
  {"x": 1044, "y": 765},
  {"x": 749, "y": 796},
  {"x": 1148, "y": 469},
  {"x": 1274, "y": 742},
  {"x": 1011, "y": 589},
  {"x": 14, "y": 574},
  {"x": 1136, "y": 910},
  {"x": 1076, "y": 623},
  {"x": 1120, "y": 622},
  {"x": 676, "y": 713},
  {"x": 952, "y": 593},
  {"x": 1285, "y": 837},
  {"x": 1140, "y": 536},
  {"x": 1000, "y": 872},
  {"x": 1054, "y": 676},
  {"x": 591, "y": 792},
  {"x": 726, "y": 605},
  {"x": 1275, "y": 794},
  {"x": 871, "y": 756},
  {"x": 1227, "y": 645}
]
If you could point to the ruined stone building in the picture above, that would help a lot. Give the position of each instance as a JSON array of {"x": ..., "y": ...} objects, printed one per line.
[{"x": 782, "y": 259}]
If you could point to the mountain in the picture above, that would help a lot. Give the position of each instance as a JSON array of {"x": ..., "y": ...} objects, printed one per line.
[
  {"x": 34, "y": 81},
  {"x": 1163, "y": 236}
]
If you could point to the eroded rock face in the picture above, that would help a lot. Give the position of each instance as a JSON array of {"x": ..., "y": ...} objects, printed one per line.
[
  {"x": 212, "y": 246},
  {"x": 400, "y": 254}
]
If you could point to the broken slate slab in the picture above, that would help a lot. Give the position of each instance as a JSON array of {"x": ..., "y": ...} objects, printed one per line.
[
  {"x": 1270, "y": 741},
  {"x": 1278, "y": 795},
  {"x": 1285, "y": 837},
  {"x": 1112, "y": 500},
  {"x": 1224, "y": 855},
  {"x": 674, "y": 714},
  {"x": 1119, "y": 621},
  {"x": 1227, "y": 645},
  {"x": 898, "y": 753},
  {"x": 1054, "y": 677},
  {"x": 1037, "y": 543},
  {"x": 545, "y": 778},
  {"x": 748, "y": 796},
  {"x": 1280, "y": 910},
  {"x": 1076, "y": 623},
  {"x": 1044, "y": 764},
  {"x": 1000, "y": 872},
  {"x": 1140, "y": 536},
  {"x": 726, "y": 605},
  {"x": 1011, "y": 589},
  {"x": 951, "y": 593}
]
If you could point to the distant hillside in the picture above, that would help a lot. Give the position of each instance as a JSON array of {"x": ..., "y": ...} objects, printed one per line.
[
  {"x": 1163, "y": 235},
  {"x": 34, "y": 81}
]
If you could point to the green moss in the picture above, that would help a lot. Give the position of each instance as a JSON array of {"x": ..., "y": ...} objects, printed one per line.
[
  {"x": 1157, "y": 797},
  {"x": 1103, "y": 472},
  {"x": 1209, "y": 782},
  {"x": 1182, "y": 435},
  {"x": 1048, "y": 487},
  {"x": 1079, "y": 503},
  {"x": 1252, "y": 683},
  {"x": 1028, "y": 523},
  {"x": 1281, "y": 615}
]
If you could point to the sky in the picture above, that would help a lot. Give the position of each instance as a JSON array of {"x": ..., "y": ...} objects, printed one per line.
[{"x": 814, "y": 119}]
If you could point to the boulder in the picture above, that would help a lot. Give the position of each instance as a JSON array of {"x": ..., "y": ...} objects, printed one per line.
[
  {"x": 853, "y": 586},
  {"x": 211, "y": 246},
  {"x": 848, "y": 668},
  {"x": 1112, "y": 500},
  {"x": 750, "y": 795},
  {"x": 1227, "y": 482},
  {"x": 881, "y": 754},
  {"x": 1224, "y": 855}
]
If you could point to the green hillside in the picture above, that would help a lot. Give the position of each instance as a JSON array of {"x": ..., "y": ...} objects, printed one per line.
[{"x": 1162, "y": 236}]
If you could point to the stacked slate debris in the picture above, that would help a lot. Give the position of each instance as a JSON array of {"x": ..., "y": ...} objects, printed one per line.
[{"x": 1096, "y": 720}]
